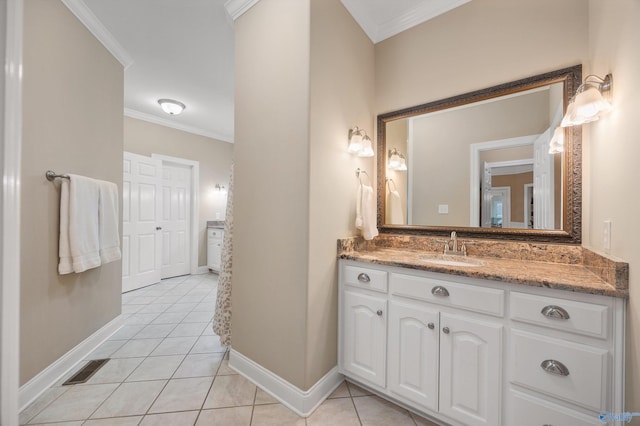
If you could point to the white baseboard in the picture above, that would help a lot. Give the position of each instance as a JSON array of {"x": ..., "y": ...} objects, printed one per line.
[
  {"x": 203, "y": 270},
  {"x": 301, "y": 402},
  {"x": 54, "y": 372}
]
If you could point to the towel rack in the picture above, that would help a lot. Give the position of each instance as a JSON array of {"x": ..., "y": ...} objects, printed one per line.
[
  {"x": 359, "y": 171},
  {"x": 51, "y": 175},
  {"x": 389, "y": 182}
]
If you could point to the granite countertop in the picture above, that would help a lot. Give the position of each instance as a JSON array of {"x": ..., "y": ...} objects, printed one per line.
[
  {"x": 215, "y": 224},
  {"x": 588, "y": 273}
]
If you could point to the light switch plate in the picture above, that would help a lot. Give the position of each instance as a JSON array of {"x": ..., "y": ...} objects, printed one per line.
[{"x": 443, "y": 208}]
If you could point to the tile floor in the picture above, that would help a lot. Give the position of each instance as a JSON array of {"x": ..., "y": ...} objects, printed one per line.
[{"x": 168, "y": 368}]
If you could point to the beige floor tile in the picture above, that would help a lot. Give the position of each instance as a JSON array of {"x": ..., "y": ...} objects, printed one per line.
[
  {"x": 357, "y": 390},
  {"x": 374, "y": 411},
  {"x": 155, "y": 331},
  {"x": 199, "y": 365},
  {"x": 154, "y": 308},
  {"x": 264, "y": 398},
  {"x": 115, "y": 370},
  {"x": 75, "y": 404},
  {"x": 208, "y": 330},
  {"x": 169, "y": 318},
  {"x": 41, "y": 403},
  {"x": 205, "y": 307},
  {"x": 192, "y": 299},
  {"x": 182, "y": 395},
  {"x": 118, "y": 421},
  {"x": 156, "y": 368},
  {"x": 421, "y": 421},
  {"x": 131, "y": 309},
  {"x": 230, "y": 391},
  {"x": 208, "y": 344},
  {"x": 184, "y": 418},
  {"x": 275, "y": 415},
  {"x": 130, "y": 399},
  {"x": 181, "y": 307},
  {"x": 106, "y": 349},
  {"x": 235, "y": 416},
  {"x": 127, "y": 332},
  {"x": 341, "y": 391},
  {"x": 188, "y": 329},
  {"x": 141, "y": 319},
  {"x": 169, "y": 298},
  {"x": 225, "y": 370},
  {"x": 77, "y": 423},
  {"x": 136, "y": 348},
  {"x": 198, "y": 317},
  {"x": 175, "y": 346},
  {"x": 339, "y": 411}
]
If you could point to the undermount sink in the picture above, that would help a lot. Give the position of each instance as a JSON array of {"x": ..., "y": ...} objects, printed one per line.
[{"x": 448, "y": 260}]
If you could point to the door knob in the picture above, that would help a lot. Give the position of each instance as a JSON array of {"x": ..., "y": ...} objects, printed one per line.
[
  {"x": 445, "y": 330},
  {"x": 379, "y": 312},
  {"x": 431, "y": 326},
  {"x": 158, "y": 228}
]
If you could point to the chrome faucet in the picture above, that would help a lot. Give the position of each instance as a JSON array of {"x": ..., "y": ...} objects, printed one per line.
[{"x": 451, "y": 246}]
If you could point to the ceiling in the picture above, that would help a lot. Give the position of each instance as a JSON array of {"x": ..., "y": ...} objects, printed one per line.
[{"x": 183, "y": 50}]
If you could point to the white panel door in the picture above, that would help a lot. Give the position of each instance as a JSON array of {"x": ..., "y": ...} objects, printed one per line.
[
  {"x": 365, "y": 336},
  {"x": 543, "y": 183},
  {"x": 413, "y": 353},
  {"x": 176, "y": 220},
  {"x": 470, "y": 366},
  {"x": 140, "y": 221}
]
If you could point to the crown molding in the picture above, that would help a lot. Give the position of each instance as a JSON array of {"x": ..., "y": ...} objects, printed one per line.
[
  {"x": 378, "y": 32},
  {"x": 99, "y": 31},
  {"x": 236, "y": 8},
  {"x": 132, "y": 113}
]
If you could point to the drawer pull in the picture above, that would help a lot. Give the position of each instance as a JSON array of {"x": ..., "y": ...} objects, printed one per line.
[
  {"x": 440, "y": 291},
  {"x": 445, "y": 330},
  {"x": 379, "y": 312},
  {"x": 363, "y": 278},
  {"x": 431, "y": 326},
  {"x": 556, "y": 312},
  {"x": 554, "y": 367}
]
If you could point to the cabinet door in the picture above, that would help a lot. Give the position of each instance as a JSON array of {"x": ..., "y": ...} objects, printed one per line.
[
  {"x": 413, "y": 353},
  {"x": 365, "y": 336},
  {"x": 470, "y": 370}
]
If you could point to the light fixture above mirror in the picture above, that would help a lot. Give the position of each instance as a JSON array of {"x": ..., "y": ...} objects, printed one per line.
[
  {"x": 592, "y": 99},
  {"x": 360, "y": 143}
]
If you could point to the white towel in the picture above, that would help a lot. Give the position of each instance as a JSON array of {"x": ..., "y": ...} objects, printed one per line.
[
  {"x": 369, "y": 227},
  {"x": 359, "y": 207},
  {"x": 79, "y": 226},
  {"x": 394, "y": 212},
  {"x": 108, "y": 222}
]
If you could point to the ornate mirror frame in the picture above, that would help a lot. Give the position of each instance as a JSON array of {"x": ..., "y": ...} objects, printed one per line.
[{"x": 571, "y": 164}]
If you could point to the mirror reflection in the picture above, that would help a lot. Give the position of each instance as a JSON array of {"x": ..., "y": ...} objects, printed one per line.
[{"x": 483, "y": 164}]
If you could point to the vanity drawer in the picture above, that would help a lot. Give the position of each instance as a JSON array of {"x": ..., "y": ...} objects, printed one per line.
[
  {"x": 529, "y": 411},
  {"x": 214, "y": 233},
  {"x": 577, "y": 317},
  {"x": 371, "y": 279},
  {"x": 575, "y": 373},
  {"x": 469, "y": 297}
]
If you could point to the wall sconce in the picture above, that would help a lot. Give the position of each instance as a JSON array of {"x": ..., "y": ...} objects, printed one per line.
[
  {"x": 592, "y": 99},
  {"x": 219, "y": 188},
  {"x": 397, "y": 161},
  {"x": 360, "y": 143},
  {"x": 556, "y": 145},
  {"x": 171, "y": 107}
]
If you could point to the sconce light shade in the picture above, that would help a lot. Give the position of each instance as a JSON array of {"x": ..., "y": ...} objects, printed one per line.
[
  {"x": 367, "y": 147},
  {"x": 556, "y": 145},
  {"x": 403, "y": 164},
  {"x": 396, "y": 160},
  {"x": 590, "y": 102},
  {"x": 355, "y": 140},
  {"x": 171, "y": 107}
]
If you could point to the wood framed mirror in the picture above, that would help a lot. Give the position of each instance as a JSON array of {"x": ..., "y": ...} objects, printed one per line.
[{"x": 479, "y": 164}]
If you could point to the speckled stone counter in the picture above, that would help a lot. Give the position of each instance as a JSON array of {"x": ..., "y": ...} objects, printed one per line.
[{"x": 562, "y": 267}]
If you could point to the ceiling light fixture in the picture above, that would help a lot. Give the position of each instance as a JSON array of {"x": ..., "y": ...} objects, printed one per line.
[
  {"x": 171, "y": 107},
  {"x": 592, "y": 99}
]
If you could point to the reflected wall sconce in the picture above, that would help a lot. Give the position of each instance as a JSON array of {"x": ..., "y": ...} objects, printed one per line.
[
  {"x": 396, "y": 160},
  {"x": 360, "y": 143},
  {"x": 556, "y": 145},
  {"x": 219, "y": 187},
  {"x": 171, "y": 106},
  {"x": 592, "y": 99}
]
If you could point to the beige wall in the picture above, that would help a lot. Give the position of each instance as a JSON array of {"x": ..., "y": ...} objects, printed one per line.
[
  {"x": 611, "y": 159},
  {"x": 72, "y": 111},
  {"x": 214, "y": 156},
  {"x": 341, "y": 97},
  {"x": 271, "y": 186},
  {"x": 397, "y": 137}
]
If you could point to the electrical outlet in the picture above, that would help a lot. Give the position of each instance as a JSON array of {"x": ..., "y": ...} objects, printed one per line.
[
  {"x": 606, "y": 235},
  {"x": 443, "y": 208}
]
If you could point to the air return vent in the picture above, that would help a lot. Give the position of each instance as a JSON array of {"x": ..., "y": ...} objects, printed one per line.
[{"x": 86, "y": 372}]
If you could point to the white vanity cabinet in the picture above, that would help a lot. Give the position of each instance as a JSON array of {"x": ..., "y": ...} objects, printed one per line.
[
  {"x": 471, "y": 352},
  {"x": 214, "y": 248}
]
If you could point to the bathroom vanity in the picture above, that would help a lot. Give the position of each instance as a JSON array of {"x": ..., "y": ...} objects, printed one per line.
[
  {"x": 215, "y": 234},
  {"x": 497, "y": 341}
]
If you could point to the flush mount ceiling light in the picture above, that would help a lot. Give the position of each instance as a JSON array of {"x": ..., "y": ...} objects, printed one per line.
[
  {"x": 592, "y": 99},
  {"x": 360, "y": 143},
  {"x": 171, "y": 107}
]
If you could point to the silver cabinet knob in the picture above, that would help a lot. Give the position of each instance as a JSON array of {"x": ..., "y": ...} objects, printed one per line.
[
  {"x": 431, "y": 326},
  {"x": 158, "y": 228},
  {"x": 363, "y": 278},
  {"x": 445, "y": 330},
  {"x": 552, "y": 366},
  {"x": 553, "y": 311},
  {"x": 379, "y": 312},
  {"x": 440, "y": 291}
]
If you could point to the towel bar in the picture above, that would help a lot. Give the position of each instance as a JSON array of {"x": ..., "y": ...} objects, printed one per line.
[{"x": 51, "y": 175}]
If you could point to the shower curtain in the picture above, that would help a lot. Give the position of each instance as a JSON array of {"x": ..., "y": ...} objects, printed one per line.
[{"x": 222, "y": 315}]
